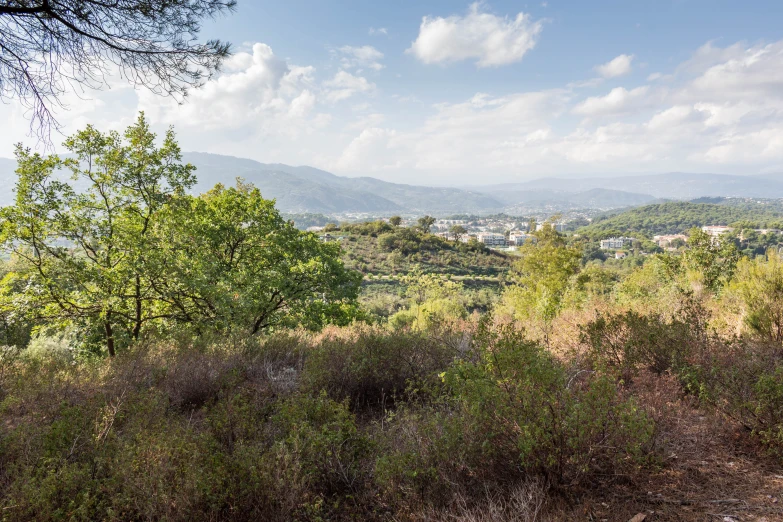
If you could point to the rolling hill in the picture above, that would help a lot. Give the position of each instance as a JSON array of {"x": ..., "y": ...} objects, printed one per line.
[
  {"x": 680, "y": 216},
  {"x": 307, "y": 189}
]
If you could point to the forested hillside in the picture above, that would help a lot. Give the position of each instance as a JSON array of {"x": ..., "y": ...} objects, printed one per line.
[{"x": 678, "y": 217}]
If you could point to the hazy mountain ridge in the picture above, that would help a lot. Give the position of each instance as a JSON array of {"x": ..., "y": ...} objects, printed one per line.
[
  {"x": 511, "y": 195},
  {"x": 671, "y": 185},
  {"x": 307, "y": 189}
]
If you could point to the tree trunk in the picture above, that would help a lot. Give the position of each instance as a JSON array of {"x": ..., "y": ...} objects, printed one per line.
[
  {"x": 109, "y": 335},
  {"x": 137, "y": 326}
]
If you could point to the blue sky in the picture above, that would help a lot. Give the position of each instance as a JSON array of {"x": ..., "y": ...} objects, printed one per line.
[{"x": 449, "y": 93}]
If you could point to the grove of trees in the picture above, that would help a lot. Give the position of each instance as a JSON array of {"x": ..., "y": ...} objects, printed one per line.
[{"x": 109, "y": 242}]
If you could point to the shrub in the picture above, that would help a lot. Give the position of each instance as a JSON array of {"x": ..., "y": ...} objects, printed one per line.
[
  {"x": 759, "y": 287},
  {"x": 744, "y": 381},
  {"x": 321, "y": 435},
  {"x": 513, "y": 410},
  {"x": 626, "y": 342},
  {"x": 370, "y": 367}
]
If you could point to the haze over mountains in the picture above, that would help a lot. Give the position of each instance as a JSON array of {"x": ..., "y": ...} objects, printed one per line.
[{"x": 307, "y": 189}]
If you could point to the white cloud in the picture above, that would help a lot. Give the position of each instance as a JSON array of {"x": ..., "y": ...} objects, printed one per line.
[
  {"x": 755, "y": 72},
  {"x": 618, "y": 101},
  {"x": 374, "y": 146},
  {"x": 721, "y": 111},
  {"x": 619, "y": 66},
  {"x": 489, "y": 39},
  {"x": 345, "y": 85},
  {"x": 358, "y": 57},
  {"x": 260, "y": 91},
  {"x": 380, "y": 30}
]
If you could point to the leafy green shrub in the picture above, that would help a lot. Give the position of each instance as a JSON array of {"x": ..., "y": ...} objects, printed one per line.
[
  {"x": 322, "y": 436},
  {"x": 513, "y": 410},
  {"x": 370, "y": 367},
  {"x": 60, "y": 345},
  {"x": 627, "y": 342},
  {"x": 744, "y": 382}
]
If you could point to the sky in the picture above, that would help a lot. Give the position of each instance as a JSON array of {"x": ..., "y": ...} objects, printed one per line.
[{"x": 455, "y": 93}]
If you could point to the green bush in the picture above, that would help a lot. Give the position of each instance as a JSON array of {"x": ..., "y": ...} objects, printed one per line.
[
  {"x": 322, "y": 436},
  {"x": 371, "y": 367},
  {"x": 627, "y": 342},
  {"x": 513, "y": 410},
  {"x": 744, "y": 382}
]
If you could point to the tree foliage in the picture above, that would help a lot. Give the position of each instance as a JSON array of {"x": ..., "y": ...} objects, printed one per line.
[
  {"x": 232, "y": 261},
  {"x": 425, "y": 223},
  {"x": 84, "y": 243},
  {"x": 122, "y": 249},
  {"x": 47, "y": 47},
  {"x": 678, "y": 217},
  {"x": 458, "y": 231},
  {"x": 759, "y": 286},
  {"x": 710, "y": 260},
  {"x": 542, "y": 276}
]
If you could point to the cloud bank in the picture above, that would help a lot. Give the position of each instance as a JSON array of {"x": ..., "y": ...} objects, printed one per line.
[{"x": 489, "y": 39}]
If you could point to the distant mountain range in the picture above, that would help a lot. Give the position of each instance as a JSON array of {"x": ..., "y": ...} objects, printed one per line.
[
  {"x": 512, "y": 195},
  {"x": 307, "y": 189},
  {"x": 672, "y": 185}
]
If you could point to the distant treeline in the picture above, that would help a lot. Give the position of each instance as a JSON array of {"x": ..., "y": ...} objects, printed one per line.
[{"x": 676, "y": 217}]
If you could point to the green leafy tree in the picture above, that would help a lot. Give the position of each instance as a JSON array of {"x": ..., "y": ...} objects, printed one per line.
[
  {"x": 231, "y": 261},
  {"x": 431, "y": 299},
  {"x": 84, "y": 244},
  {"x": 541, "y": 278},
  {"x": 425, "y": 223},
  {"x": 710, "y": 260},
  {"x": 759, "y": 286},
  {"x": 458, "y": 231},
  {"x": 121, "y": 249},
  {"x": 395, "y": 221}
]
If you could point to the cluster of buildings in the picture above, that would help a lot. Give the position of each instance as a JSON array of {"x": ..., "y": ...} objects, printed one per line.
[
  {"x": 500, "y": 240},
  {"x": 493, "y": 224},
  {"x": 492, "y": 239}
]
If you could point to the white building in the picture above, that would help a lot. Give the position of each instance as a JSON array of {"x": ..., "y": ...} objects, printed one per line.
[
  {"x": 559, "y": 227},
  {"x": 716, "y": 230},
  {"x": 491, "y": 239},
  {"x": 519, "y": 239},
  {"x": 616, "y": 242}
]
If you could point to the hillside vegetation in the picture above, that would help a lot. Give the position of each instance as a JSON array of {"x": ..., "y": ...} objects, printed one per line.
[
  {"x": 678, "y": 217},
  {"x": 377, "y": 248},
  {"x": 171, "y": 357}
]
